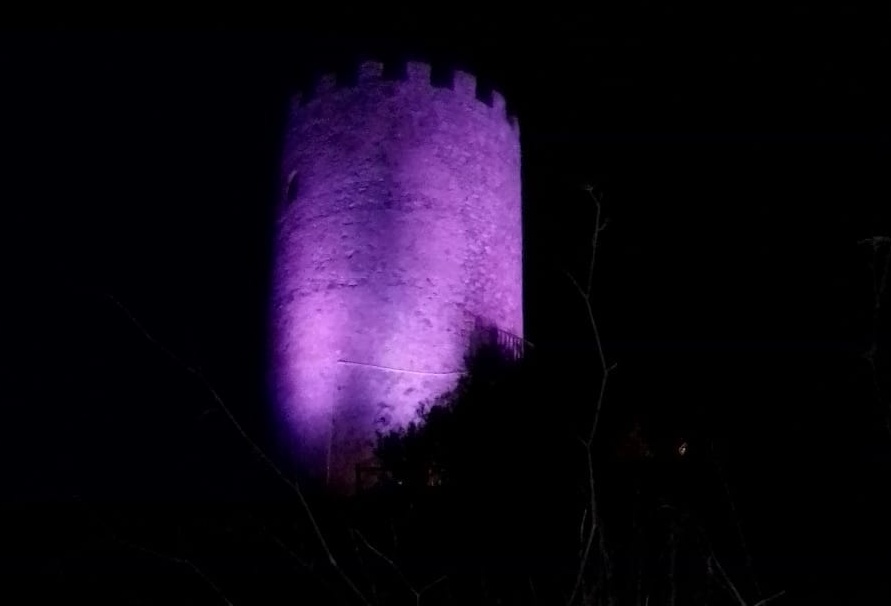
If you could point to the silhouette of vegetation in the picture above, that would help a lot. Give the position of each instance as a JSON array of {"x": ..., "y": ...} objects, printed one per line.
[
  {"x": 478, "y": 479},
  {"x": 488, "y": 489},
  {"x": 513, "y": 500},
  {"x": 486, "y": 498}
]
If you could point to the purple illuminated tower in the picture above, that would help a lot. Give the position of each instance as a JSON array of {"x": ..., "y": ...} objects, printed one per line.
[{"x": 398, "y": 233}]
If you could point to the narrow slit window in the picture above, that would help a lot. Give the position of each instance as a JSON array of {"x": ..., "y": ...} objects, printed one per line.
[{"x": 291, "y": 189}]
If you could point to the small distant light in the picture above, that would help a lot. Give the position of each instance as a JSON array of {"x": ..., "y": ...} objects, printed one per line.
[{"x": 682, "y": 449}]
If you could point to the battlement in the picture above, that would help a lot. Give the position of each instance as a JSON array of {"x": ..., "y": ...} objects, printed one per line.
[{"x": 416, "y": 73}]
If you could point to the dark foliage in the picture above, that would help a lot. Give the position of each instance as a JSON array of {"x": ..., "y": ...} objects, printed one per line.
[
  {"x": 489, "y": 475},
  {"x": 492, "y": 485}
]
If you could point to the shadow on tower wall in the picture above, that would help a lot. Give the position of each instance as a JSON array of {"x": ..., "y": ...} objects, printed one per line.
[{"x": 492, "y": 354}]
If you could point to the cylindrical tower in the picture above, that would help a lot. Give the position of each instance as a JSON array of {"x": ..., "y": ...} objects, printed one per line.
[{"x": 398, "y": 231}]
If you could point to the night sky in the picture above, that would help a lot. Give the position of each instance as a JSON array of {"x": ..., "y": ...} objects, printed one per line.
[{"x": 741, "y": 156}]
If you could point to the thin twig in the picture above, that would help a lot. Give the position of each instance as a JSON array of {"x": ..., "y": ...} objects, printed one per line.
[
  {"x": 304, "y": 565},
  {"x": 388, "y": 560},
  {"x": 736, "y": 520},
  {"x": 428, "y": 586},
  {"x": 879, "y": 284},
  {"x": 594, "y": 237},
  {"x": 533, "y": 592},
  {"x": 713, "y": 559},
  {"x": 582, "y": 525},
  {"x": 184, "y": 562},
  {"x": 605, "y": 372},
  {"x": 726, "y": 579},
  {"x": 771, "y": 598},
  {"x": 417, "y": 593},
  {"x": 590, "y": 540},
  {"x": 361, "y": 560},
  {"x": 179, "y": 560},
  {"x": 292, "y": 484}
]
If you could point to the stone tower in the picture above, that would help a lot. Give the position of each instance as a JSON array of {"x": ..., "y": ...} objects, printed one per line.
[{"x": 398, "y": 235}]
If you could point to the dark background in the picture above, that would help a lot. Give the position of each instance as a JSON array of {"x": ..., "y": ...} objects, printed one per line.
[{"x": 741, "y": 155}]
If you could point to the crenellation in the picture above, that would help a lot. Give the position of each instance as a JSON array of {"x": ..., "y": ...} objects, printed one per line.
[
  {"x": 498, "y": 103},
  {"x": 415, "y": 74},
  {"x": 464, "y": 84},
  {"x": 418, "y": 72},
  {"x": 514, "y": 123},
  {"x": 370, "y": 70}
]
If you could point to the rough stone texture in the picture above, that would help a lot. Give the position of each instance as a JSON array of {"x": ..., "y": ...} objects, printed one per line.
[{"x": 399, "y": 230}]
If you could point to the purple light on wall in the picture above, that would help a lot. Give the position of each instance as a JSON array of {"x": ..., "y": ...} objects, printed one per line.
[{"x": 398, "y": 230}]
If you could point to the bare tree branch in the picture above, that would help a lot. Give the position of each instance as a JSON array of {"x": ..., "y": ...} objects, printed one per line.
[
  {"x": 430, "y": 585},
  {"x": 713, "y": 564},
  {"x": 585, "y": 294},
  {"x": 727, "y": 582},
  {"x": 765, "y": 601},
  {"x": 736, "y": 519},
  {"x": 178, "y": 560},
  {"x": 264, "y": 529},
  {"x": 417, "y": 593},
  {"x": 259, "y": 452},
  {"x": 879, "y": 284},
  {"x": 386, "y": 559}
]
